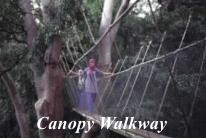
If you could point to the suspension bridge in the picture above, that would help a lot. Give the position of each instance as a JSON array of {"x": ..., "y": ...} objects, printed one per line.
[{"x": 129, "y": 88}]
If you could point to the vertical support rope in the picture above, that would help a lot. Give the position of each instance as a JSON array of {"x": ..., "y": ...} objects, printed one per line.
[
  {"x": 117, "y": 49},
  {"x": 65, "y": 70},
  {"x": 140, "y": 68},
  {"x": 118, "y": 104},
  {"x": 107, "y": 85},
  {"x": 75, "y": 51},
  {"x": 115, "y": 80},
  {"x": 62, "y": 62},
  {"x": 172, "y": 70},
  {"x": 78, "y": 38},
  {"x": 72, "y": 84},
  {"x": 66, "y": 63},
  {"x": 130, "y": 75},
  {"x": 73, "y": 94},
  {"x": 151, "y": 72},
  {"x": 196, "y": 89},
  {"x": 137, "y": 76},
  {"x": 88, "y": 26},
  {"x": 74, "y": 97},
  {"x": 99, "y": 96},
  {"x": 68, "y": 49}
]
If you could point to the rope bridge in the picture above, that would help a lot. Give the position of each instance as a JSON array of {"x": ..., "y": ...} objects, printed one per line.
[{"x": 135, "y": 90}]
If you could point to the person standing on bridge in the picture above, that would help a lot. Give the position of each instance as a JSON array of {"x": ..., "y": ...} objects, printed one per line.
[{"x": 88, "y": 83}]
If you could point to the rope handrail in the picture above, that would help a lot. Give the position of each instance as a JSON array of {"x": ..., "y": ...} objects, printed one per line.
[
  {"x": 161, "y": 57},
  {"x": 154, "y": 59}
]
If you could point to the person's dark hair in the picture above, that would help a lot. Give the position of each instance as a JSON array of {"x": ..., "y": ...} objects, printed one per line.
[{"x": 90, "y": 59}]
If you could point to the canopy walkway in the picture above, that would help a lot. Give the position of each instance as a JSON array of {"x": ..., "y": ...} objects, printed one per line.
[{"x": 131, "y": 90}]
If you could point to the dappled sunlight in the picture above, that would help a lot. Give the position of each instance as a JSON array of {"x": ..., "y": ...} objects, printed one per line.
[{"x": 143, "y": 8}]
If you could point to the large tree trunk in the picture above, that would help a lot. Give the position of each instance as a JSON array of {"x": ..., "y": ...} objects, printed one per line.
[
  {"x": 20, "y": 112},
  {"x": 48, "y": 77},
  {"x": 50, "y": 90},
  {"x": 105, "y": 46}
]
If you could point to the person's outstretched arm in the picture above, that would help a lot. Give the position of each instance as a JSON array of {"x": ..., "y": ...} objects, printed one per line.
[
  {"x": 73, "y": 74},
  {"x": 104, "y": 74},
  {"x": 108, "y": 73}
]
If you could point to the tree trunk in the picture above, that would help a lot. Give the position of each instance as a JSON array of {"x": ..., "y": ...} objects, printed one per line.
[
  {"x": 106, "y": 44},
  {"x": 20, "y": 112},
  {"x": 48, "y": 77},
  {"x": 50, "y": 90}
]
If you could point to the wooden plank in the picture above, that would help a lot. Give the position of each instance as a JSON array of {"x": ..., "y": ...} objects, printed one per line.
[{"x": 130, "y": 133}]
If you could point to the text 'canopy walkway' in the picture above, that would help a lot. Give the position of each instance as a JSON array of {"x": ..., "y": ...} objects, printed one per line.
[{"x": 131, "y": 133}]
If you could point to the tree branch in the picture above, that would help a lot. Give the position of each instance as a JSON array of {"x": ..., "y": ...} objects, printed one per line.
[
  {"x": 124, "y": 5},
  {"x": 153, "y": 16},
  {"x": 17, "y": 103},
  {"x": 88, "y": 26},
  {"x": 105, "y": 33}
]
